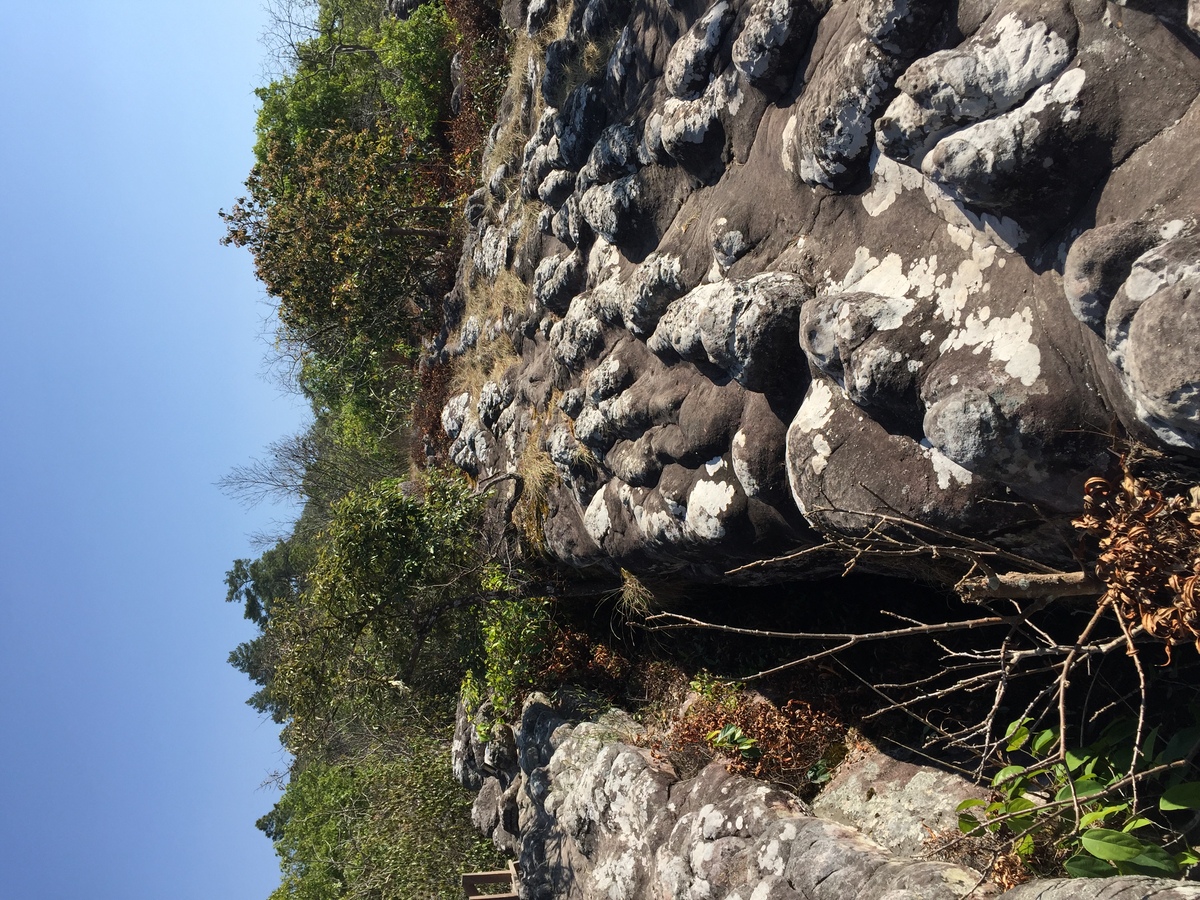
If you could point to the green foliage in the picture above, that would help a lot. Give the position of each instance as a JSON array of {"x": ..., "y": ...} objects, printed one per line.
[
  {"x": 358, "y": 69},
  {"x": 386, "y": 620},
  {"x": 278, "y": 576},
  {"x": 348, "y": 209},
  {"x": 516, "y": 631},
  {"x": 725, "y": 694},
  {"x": 415, "y": 55},
  {"x": 384, "y": 824},
  {"x": 731, "y": 739},
  {"x": 263, "y": 586},
  {"x": 363, "y": 395},
  {"x": 1082, "y": 801}
]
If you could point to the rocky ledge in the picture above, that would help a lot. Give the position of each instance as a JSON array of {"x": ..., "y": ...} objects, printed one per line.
[
  {"x": 782, "y": 268},
  {"x": 592, "y": 817}
]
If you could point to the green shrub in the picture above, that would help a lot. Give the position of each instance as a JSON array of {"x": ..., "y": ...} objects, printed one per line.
[
  {"x": 387, "y": 824},
  {"x": 1081, "y": 804},
  {"x": 516, "y": 632},
  {"x": 415, "y": 56}
]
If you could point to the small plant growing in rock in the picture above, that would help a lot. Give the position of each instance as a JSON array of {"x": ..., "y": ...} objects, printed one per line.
[{"x": 731, "y": 739}]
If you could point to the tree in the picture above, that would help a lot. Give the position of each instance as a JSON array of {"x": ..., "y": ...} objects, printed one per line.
[
  {"x": 347, "y": 212},
  {"x": 266, "y": 586},
  {"x": 388, "y": 822},
  {"x": 349, "y": 230},
  {"x": 384, "y": 625},
  {"x": 317, "y": 467}
]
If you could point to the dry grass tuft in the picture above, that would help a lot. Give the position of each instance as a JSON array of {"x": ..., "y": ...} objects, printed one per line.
[
  {"x": 538, "y": 474},
  {"x": 635, "y": 599}
]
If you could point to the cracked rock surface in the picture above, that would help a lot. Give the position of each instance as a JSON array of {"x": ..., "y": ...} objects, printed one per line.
[
  {"x": 784, "y": 267},
  {"x": 592, "y": 817}
]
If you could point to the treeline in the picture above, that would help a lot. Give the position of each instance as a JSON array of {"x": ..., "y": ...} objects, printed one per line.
[{"x": 375, "y": 604}]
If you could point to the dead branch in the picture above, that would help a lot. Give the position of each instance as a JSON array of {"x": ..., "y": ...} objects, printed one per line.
[{"x": 1029, "y": 585}]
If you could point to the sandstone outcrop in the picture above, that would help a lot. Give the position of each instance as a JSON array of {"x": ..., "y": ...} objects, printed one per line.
[
  {"x": 787, "y": 266},
  {"x": 591, "y": 817}
]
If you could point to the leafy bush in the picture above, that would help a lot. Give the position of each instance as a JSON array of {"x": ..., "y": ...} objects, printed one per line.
[
  {"x": 515, "y": 637},
  {"x": 386, "y": 824},
  {"x": 1090, "y": 804},
  {"x": 386, "y": 620},
  {"x": 415, "y": 54}
]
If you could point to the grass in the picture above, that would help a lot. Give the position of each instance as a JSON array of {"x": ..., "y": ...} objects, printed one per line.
[
  {"x": 635, "y": 599},
  {"x": 538, "y": 474}
]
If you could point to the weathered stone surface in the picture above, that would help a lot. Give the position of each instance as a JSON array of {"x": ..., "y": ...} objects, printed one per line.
[
  {"x": 810, "y": 236},
  {"x": 599, "y": 818},
  {"x": 1128, "y": 887},
  {"x": 899, "y": 805},
  {"x": 591, "y": 816}
]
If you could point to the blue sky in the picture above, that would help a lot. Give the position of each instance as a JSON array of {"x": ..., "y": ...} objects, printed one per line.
[{"x": 131, "y": 379}]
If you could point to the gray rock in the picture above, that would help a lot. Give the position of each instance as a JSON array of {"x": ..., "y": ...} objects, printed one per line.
[
  {"x": 984, "y": 214},
  {"x": 614, "y": 156},
  {"x": 1157, "y": 304},
  {"x": 769, "y": 46},
  {"x": 610, "y": 210},
  {"x": 745, "y": 327},
  {"x": 689, "y": 65},
  {"x": 827, "y": 139},
  {"x": 556, "y": 281},
  {"x": 1018, "y": 50},
  {"x": 556, "y": 187},
  {"x": 897, "y": 804}
]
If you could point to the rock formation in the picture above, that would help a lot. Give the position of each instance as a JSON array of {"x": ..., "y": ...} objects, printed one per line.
[
  {"x": 591, "y": 817},
  {"x": 783, "y": 266}
]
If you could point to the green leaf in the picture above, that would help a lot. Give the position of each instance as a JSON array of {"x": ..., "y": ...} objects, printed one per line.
[
  {"x": 1112, "y": 845},
  {"x": 1181, "y": 796},
  {"x": 1181, "y": 744},
  {"x": 1005, "y": 774},
  {"x": 1020, "y": 804},
  {"x": 1154, "y": 861},
  {"x": 969, "y": 803},
  {"x": 1075, "y": 759},
  {"x": 1188, "y": 857},
  {"x": 1043, "y": 741},
  {"x": 1015, "y": 726},
  {"x": 1093, "y": 817},
  {"x": 967, "y": 823},
  {"x": 1018, "y": 738},
  {"x": 1024, "y": 847},
  {"x": 1134, "y": 824},
  {"x": 1084, "y": 787},
  {"x": 1081, "y": 866}
]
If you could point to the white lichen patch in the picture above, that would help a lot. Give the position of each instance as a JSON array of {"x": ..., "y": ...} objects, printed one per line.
[
  {"x": 595, "y": 518},
  {"x": 714, "y": 465},
  {"x": 1008, "y": 339},
  {"x": 711, "y": 822},
  {"x": 707, "y": 502},
  {"x": 741, "y": 468},
  {"x": 821, "y": 454},
  {"x": 888, "y": 181},
  {"x": 1172, "y": 229},
  {"x": 952, "y": 298},
  {"x": 789, "y": 138},
  {"x": 947, "y": 470},
  {"x": 817, "y": 409},
  {"x": 1064, "y": 91}
]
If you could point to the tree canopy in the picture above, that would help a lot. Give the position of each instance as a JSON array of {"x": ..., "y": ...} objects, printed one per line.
[
  {"x": 347, "y": 209},
  {"x": 367, "y": 609}
]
